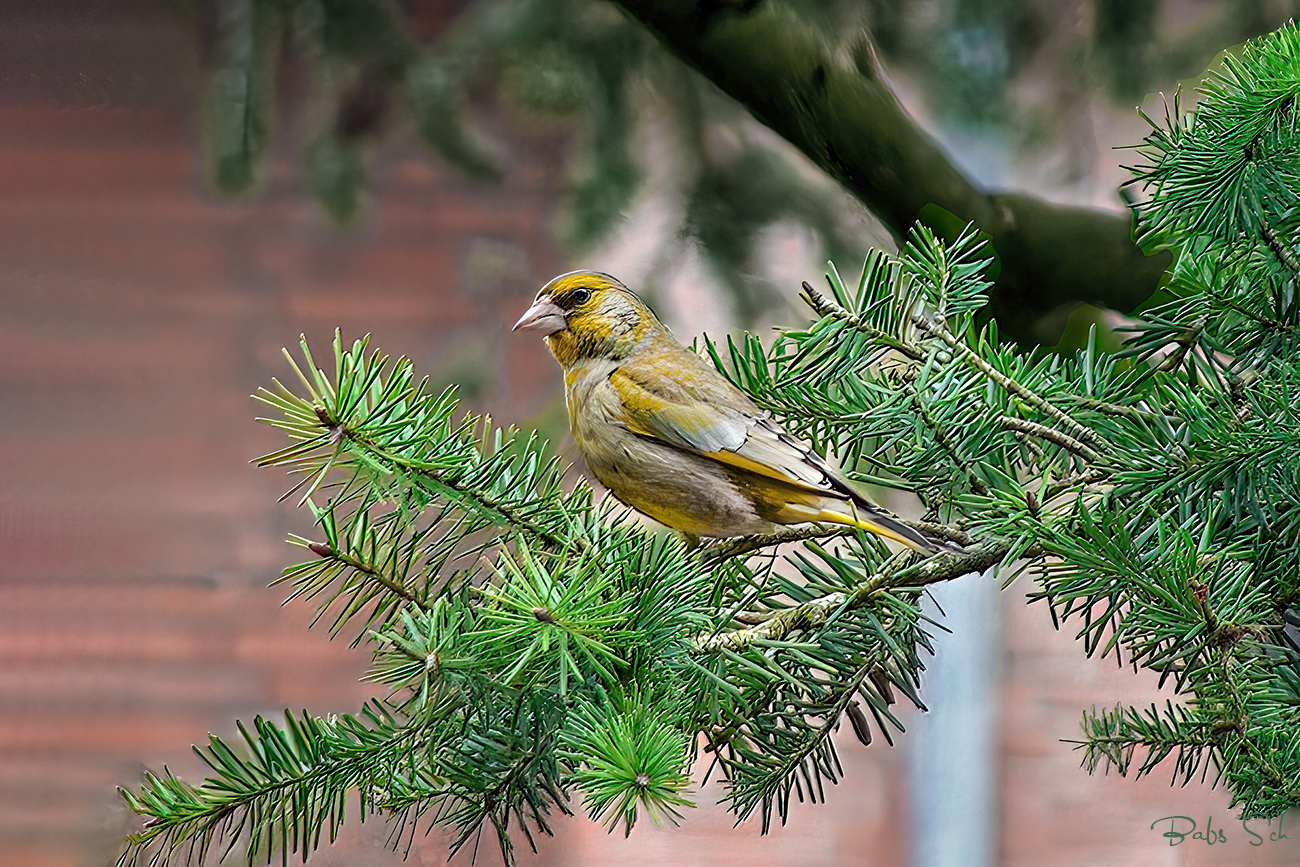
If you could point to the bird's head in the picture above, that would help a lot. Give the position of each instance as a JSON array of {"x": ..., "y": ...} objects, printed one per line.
[{"x": 587, "y": 314}]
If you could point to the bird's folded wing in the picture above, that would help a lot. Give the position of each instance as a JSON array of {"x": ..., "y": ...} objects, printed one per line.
[{"x": 714, "y": 419}]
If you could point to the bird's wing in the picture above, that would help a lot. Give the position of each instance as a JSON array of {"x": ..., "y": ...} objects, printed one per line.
[{"x": 699, "y": 411}]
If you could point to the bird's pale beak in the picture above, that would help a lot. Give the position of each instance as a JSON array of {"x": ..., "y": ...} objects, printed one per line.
[{"x": 544, "y": 316}]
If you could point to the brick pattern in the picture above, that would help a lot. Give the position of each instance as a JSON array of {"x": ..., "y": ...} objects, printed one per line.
[{"x": 135, "y": 538}]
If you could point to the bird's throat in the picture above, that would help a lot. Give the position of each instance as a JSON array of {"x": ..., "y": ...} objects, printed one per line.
[
  {"x": 571, "y": 347},
  {"x": 566, "y": 348}
]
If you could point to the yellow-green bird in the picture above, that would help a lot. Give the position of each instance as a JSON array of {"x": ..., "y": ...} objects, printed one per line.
[{"x": 671, "y": 437}]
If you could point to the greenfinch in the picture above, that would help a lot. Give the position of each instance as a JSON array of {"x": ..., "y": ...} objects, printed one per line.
[{"x": 671, "y": 437}]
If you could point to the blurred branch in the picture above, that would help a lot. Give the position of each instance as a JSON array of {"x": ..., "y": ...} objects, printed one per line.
[{"x": 832, "y": 102}]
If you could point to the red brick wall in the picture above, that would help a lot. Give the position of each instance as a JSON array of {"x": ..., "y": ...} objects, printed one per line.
[{"x": 136, "y": 316}]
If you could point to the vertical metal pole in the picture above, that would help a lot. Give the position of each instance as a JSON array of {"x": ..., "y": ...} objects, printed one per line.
[{"x": 953, "y": 749}]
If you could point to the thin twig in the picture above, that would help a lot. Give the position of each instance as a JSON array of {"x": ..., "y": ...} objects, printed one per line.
[
  {"x": 940, "y": 330},
  {"x": 482, "y": 501},
  {"x": 728, "y": 548},
  {"x": 325, "y": 552},
  {"x": 1106, "y": 408},
  {"x": 1185, "y": 342},
  {"x": 823, "y": 306},
  {"x": 1060, "y": 486},
  {"x": 941, "y": 531},
  {"x": 1052, "y": 435},
  {"x": 1280, "y": 249},
  {"x": 977, "y": 484}
]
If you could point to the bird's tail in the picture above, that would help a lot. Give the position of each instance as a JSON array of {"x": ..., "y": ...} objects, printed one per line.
[{"x": 875, "y": 521}]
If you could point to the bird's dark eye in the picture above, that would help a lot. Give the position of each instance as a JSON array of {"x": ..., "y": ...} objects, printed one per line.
[{"x": 579, "y": 296}]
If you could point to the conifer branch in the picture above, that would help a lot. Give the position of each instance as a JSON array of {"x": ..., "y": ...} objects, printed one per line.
[
  {"x": 1073, "y": 482},
  {"x": 941, "y": 531},
  {"x": 945, "y": 442},
  {"x": 1044, "y": 432},
  {"x": 310, "y": 761},
  {"x": 1283, "y": 253},
  {"x": 1242, "y": 727},
  {"x": 828, "y": 308},
  {"x": 968, "y": 355},
  {"x": 1184, "y": 341},
  {"x": 727, "y": 549},
  {"x": 325, "y": 552},
  {"x": 808, "y": 616},
  {"x": 584, "y": 654},
  {"x": 1107, "y": 408},
  {"x": 499, "y": 509}
]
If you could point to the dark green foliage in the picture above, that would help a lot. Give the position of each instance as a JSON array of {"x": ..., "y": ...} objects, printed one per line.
[
  {"x": 1224, "y": 184},
  {"x": 1156, "y": 501},
  {"x": 777, "y": 743},
  {"x": 280, "y": 790},
  {"x": 239, "y": 101},
  {"x": 1192, "y": 546},
  {"x": 531, "y": 643},
  {"x": 580, "y": 61},
  {"x": 1230, "y": 171},
  {"x": 335, "y": 177}
]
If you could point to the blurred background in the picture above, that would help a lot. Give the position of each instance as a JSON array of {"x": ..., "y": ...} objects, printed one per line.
[{"x": 186, "y": 187}]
